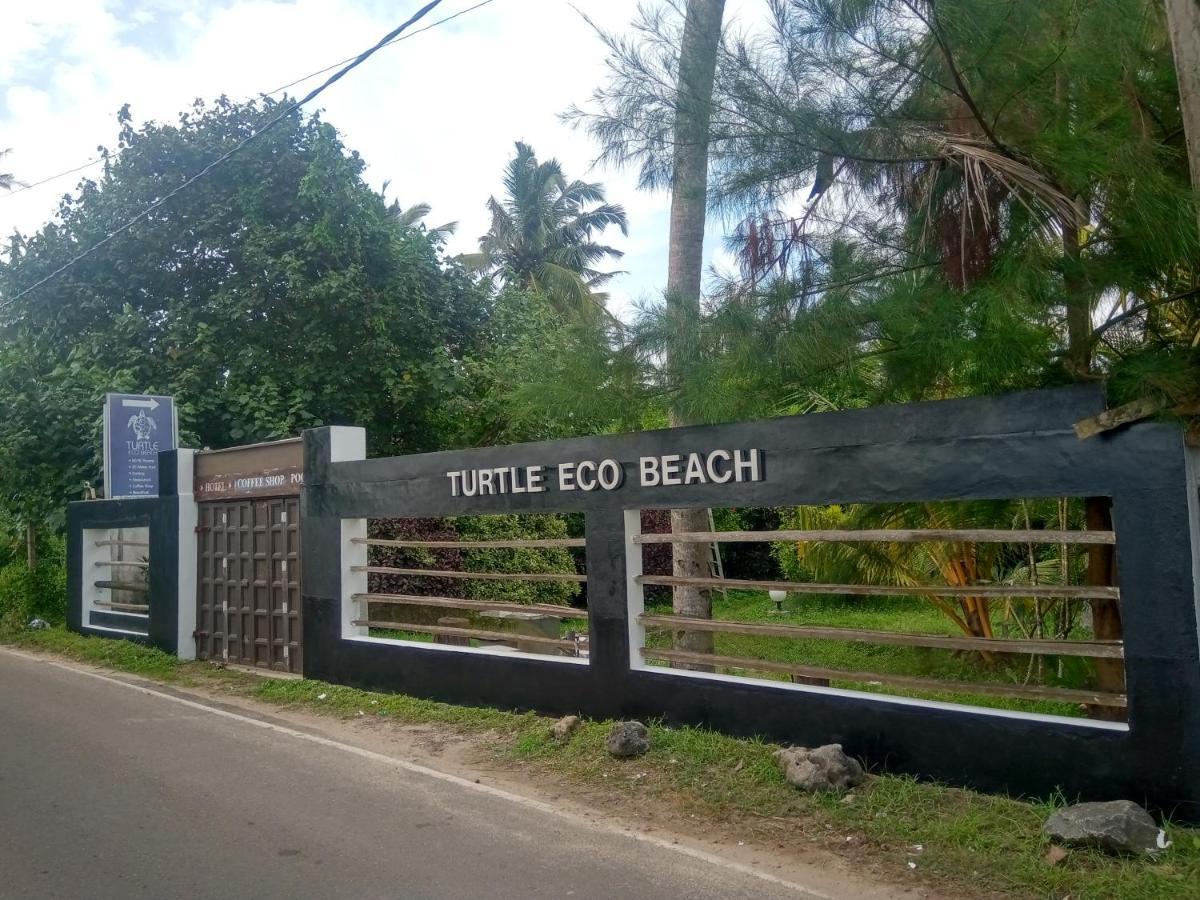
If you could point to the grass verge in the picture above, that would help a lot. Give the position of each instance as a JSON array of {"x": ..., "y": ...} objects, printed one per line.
[{"x": 965, "y": 843}]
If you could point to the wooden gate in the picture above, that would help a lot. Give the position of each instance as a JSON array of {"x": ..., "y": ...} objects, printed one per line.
[{"x": 248, "y": 583}]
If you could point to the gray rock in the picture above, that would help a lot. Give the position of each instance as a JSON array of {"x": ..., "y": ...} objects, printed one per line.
[
  {"x": 627, "y": 739},
  {"x": 824, "y": 768},
  {"x": 562, "y": 730},
  {"x": 1119, "y": 826}
]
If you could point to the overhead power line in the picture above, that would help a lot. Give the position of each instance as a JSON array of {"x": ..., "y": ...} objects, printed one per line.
[
  {"x": 287, "y": 111},
  {"x": 290, "y": 84},
  {"x": 49, "y": 178},
  {"x": 411, "y": 34}
]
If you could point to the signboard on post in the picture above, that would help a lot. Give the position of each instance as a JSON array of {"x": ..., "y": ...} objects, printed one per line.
[{"x": 136, "y": 428}]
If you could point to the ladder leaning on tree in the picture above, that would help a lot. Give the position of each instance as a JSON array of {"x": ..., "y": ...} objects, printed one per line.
[{"x": 715, "y": 568}]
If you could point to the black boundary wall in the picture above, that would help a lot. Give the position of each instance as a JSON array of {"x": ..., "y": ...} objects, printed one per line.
[
  {"x": 1016, "y": 445},
  {"x": 160, "y": 515}
]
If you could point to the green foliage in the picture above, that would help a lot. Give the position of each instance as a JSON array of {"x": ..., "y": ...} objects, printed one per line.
[
  {"x": 276, "y": 294},
  {"x": 526, "y": 527},
  {"x": 41, "y": 593},
  {"x": 991, "y": 204},
  {"x": 538, "y": 377},
  {"x": 946, "y": 562}
]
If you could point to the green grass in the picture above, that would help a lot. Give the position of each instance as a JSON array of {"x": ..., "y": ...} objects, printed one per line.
[
  {"x": 123, "y": 656},
  {"x": 883, "y": 614},
  {"x": 972, "y": 844}
]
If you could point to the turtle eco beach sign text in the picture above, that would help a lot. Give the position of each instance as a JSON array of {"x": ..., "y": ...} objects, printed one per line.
[
  {"x": 136, "y": 428},
  {"x": 710, "y": 467}
]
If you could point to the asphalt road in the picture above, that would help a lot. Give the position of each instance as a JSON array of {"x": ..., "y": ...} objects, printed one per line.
[{"x": 107, "y": 791}]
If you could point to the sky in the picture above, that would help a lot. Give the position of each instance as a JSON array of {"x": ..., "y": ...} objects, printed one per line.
[{"x": 436, "y": 116}]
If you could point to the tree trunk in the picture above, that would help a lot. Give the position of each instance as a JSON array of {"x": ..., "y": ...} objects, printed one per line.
[
  {"x": 685, "y": 265},
  {"x": 1106, "y": 614},
  {"x": 31, "y": 545},
  {"x": 1101, "y": 562},
  {"x": 1183, "y": 20}
]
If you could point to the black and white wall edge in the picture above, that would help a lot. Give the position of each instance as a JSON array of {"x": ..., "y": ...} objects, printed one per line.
[{"x": 1018, "y": 445}]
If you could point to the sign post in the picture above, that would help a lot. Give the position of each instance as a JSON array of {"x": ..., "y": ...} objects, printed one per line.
[{"x": 136, "y": 428}]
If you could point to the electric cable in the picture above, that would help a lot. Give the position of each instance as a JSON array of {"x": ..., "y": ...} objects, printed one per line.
[
  {"x": 411, "y": 34},
  {"x": 287, "y": 111}
]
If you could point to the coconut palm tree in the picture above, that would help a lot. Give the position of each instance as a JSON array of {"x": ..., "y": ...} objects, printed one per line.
[
  {"x": 414, "y": 216},
  {"x": 543, "y": 235}
]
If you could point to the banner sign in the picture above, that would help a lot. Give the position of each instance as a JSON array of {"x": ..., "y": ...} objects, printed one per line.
[
  {"x": 136, "y": 428},
  {"x": 275, "y": 469}
]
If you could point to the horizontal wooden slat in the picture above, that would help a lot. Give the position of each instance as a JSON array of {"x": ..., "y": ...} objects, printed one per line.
[
  {"x": 889, "y": 535},
  {"x": 912, "y": 682},
  {"x": 1074, "y": 592},
  {"x": 125, "y": 607},
  {"x": 123, "y": 586},
  {"x": 481, "y": 576},
  {"x": 1105, "y": 649},
  {"x": 123, "y": 562},
  {"x": 122, "y": 543},
  {"x": 546, "y": 544},
  {"x": 542, "y": 609},
  {"x": 469, "y": 633}
]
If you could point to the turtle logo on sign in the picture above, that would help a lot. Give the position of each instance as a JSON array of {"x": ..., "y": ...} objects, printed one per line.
[{"x": 142, "y": 425}]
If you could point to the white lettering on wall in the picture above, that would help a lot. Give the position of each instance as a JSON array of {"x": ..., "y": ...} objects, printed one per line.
[
  {"x": 650, "y": 473},
  {"x": 566, "y": 476},
  {"x": 718, "y": 466}
]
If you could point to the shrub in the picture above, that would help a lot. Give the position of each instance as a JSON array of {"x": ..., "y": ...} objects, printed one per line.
[
  {"x": 475, "y": 528},
  {"x": 513, "y": 527},
  {"x": 41, "y": 594},
  {"x": 413, "y": 528}
]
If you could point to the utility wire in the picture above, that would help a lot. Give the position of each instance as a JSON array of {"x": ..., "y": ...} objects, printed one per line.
[
  {"x": 49, "y": 178},
  {"x": 396, "y": 40},
  {"x": 287, "y": 111},
  {"x": 290, "y": 84}
]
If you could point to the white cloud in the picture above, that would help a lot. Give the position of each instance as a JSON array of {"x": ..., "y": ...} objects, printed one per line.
[{"x": 436, "y": 115}]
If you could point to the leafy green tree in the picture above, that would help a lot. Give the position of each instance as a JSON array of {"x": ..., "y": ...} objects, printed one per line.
[
  {"x": 536, "y": 377},
  {"x": 275, "y": 294},
  {"x": 544, "y": 235},
  {"x": 935, "y": 199}
]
